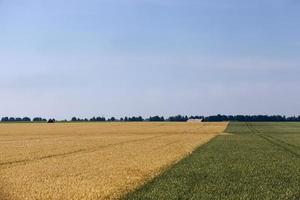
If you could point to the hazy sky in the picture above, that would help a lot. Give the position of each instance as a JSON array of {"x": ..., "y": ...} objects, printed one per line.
[{"x": 64, "y": 58}]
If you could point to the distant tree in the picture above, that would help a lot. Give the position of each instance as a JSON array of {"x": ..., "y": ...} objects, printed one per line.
[
  {"x": 74, "y": 119},
  {"x": 101, "y": 119},
  {"x": 51, "y": 121},
  {"x": 134, "y": 119},
  {"x": 4, "y": 119},
  {"x": 18, "y": 119},
  {"x": 196, "y": 117},
  {"x": 156, "y": 119},
  {"x": 140, "y": 119},
  {"x": 39, "y": 119},
  {"x": 216, "y": 118},
  {"x": 97, "y": 119},
  {"x": 178, "y": 118},
  {"x": 26, "y": 119},
  {"x": 112, "y": 119},
  {"x": 12, "y": 119}
]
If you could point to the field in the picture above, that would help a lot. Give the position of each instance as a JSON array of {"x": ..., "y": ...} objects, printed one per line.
[
  {"x": 249, "y": 161},
  {"x": 91, "y": 160}
]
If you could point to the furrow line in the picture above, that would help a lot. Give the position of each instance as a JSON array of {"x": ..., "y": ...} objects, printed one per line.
[
  {"x": 26, "y": 161},
  {"x": 271, "y": 140}
]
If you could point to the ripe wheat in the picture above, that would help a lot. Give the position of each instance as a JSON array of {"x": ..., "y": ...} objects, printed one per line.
[{"x": 91, "y": 160}]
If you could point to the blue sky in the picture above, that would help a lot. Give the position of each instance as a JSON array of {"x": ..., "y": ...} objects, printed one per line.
[{"x": 64, "y": 58}]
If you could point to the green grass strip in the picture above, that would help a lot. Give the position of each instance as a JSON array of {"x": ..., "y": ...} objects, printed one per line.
[{"x": 255, "y": 161}]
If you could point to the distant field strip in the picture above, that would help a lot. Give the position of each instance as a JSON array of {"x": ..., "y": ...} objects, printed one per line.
[
  {"x": 250, "y": 161},
  {"x": 91, "y": 160}
]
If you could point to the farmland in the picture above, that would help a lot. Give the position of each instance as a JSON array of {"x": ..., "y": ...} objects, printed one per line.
[
  {"x": 248, "y": 161},
  {"x": 91, "y": 160}
]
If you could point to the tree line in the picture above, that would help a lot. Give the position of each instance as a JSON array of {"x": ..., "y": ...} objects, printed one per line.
[
  {"x": 177, "y": 118},
  {"x": 24, "y": 119},
  {"x": 252, "y": 118}
]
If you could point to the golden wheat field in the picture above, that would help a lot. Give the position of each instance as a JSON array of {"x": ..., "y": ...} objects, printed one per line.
[{"x": 91, "y": 160}]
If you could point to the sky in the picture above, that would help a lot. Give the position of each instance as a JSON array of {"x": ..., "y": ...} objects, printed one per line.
[{"x": 64, "y": 58}]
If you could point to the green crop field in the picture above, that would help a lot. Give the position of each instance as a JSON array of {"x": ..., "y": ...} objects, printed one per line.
[{"x": 249, "y": 161}]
